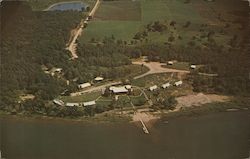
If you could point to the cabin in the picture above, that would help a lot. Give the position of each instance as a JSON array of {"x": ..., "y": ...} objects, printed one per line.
[
  {"x": 153, "y": 88},
  {"x": 118, "y": 90},
  {"x": 90, "y": 103},
  {"x": 166, "y": 85},
  {"x": 72, "y": 105},
  {"x": 99, "y": 79},
  {"x": 179, "y": 83},
  {"x": 193, "y": 66},
  {"x": 170, "y": 62},
  {"x": 84, "y": 85},
  {"x": 128, "y": 87},
  {"x": 58, "y": 70},
  {"x": 58, "y": 102}
]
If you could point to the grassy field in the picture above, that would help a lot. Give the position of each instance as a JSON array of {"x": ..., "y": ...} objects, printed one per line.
[
  {"x": 124, "y": 30},
  {"x": 179, "y": 66},
  {"x": 119, "y": 10},
  {"x": 150, "y": 80},
  {"x": 82, "y": 98},
  {"x": 123, "y": 19}
]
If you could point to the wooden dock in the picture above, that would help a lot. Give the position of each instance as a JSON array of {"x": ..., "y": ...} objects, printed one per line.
[{"x": 144, "y": 128}]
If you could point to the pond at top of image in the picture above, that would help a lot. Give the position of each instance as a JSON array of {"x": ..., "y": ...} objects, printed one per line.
[
  {"x": 64, "y": 6},
  {"x": 213, "y": 136}
]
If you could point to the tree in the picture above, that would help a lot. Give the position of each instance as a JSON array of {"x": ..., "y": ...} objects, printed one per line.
[{"x": 170, "y": 103}]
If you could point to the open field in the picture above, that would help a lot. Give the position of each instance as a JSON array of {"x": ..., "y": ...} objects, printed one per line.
[
  {"x": 123, "y": 30},
  {"x": 123, "y": 19},
  {"x": 119, "y": 10},
  {"x": 82, "y": 98}
]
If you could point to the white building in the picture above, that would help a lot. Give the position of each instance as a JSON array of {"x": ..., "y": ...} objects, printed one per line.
[
  {"x": 98, "y": 79},
  {"x": 58, "y": 102},
  {"x": 166, "y": 85},
  {"x": 90, "y": 103},
  {"x": 117, "y": 90},
  {"x": 59, "y": 70},
  {"x": 178, "y": 83},
  {"x": 153, "y": 88},
  {"x": 170, "y": 62},
  {"x": 128, "y": 87},
  {"x": 84, "y": 85},
  {"x": 193, "y": 66},
  {"x": 72, "y": 104}
]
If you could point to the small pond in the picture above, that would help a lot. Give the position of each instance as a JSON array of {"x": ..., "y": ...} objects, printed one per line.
[{"x": 76, "y": 6}]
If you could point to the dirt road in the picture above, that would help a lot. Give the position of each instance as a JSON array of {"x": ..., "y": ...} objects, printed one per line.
[
  {"x": 156, "y": 67},
  {"x": 73, "y": 45}
]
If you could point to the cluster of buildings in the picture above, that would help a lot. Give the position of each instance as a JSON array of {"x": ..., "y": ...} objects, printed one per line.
[
  {"x": 88, "y": 84},
  {"x": 165, "y": 85}
]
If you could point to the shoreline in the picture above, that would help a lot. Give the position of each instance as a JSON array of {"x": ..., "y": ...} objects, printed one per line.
[{"x": 152, "y": 117}]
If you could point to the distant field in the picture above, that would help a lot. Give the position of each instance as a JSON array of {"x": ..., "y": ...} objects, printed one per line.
[
  {"x": 124, "y": 30},
  {"x": 119, "y": 10},
  {"x": 123, "y": 19}
]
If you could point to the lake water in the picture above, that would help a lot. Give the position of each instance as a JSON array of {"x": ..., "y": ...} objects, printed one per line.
[
  {"x": 215, "y": 136},
  {"x": 78, "y": 6}
]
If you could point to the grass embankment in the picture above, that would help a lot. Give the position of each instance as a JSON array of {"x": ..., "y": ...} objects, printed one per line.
[{"x": 236, "y": 104}]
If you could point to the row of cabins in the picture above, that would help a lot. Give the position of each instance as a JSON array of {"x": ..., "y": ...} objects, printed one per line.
[
  {"x": 88, "y": 84},
  {"x": 191, "y": 66},
  {"x": 166, "y": 85},
  {"x": 68, "y": 104}
]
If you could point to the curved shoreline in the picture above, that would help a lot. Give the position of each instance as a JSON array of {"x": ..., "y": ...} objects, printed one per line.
[{"x": 205, "y": 109}]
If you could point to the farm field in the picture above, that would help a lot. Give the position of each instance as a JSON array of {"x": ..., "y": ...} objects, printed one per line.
[
  {"x": 123, "y": 30},
  {"x": 119, "y": 10},
  {"x": 192, "y": 21}
]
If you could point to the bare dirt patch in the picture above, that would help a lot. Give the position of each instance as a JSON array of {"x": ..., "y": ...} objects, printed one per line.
[{"x": 199, "y": 99}]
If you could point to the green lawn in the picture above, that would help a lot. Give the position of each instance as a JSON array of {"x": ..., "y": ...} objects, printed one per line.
[
  {"x": 82, "y": 98},
  {"x": 179, "y": 66},
  {"x": 154, "y": 79},
  {"x": 138, "y": 101},
  {"x": 124, "y": 30}
]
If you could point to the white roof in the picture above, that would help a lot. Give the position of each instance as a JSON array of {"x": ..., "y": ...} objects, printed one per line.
[
  {"x": 58, "y": 102},
  {"x": 90, "y": 103},
  {"x": 58, "y": 69},
  {"x": 178, "y": 83},
  {"x": 84, "y": 85},
  {"x": 165, "y": 85},
  {"x": 118, "y": 89},
  {"x": 99, "y": 78},
  {"x": 153, "y": 88},
  {"x": 72, "y": 104},
  {"x": 193, "y": 66},
  {"x": 170, "y": 62},
  {"x": 128, "y": 86}
]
